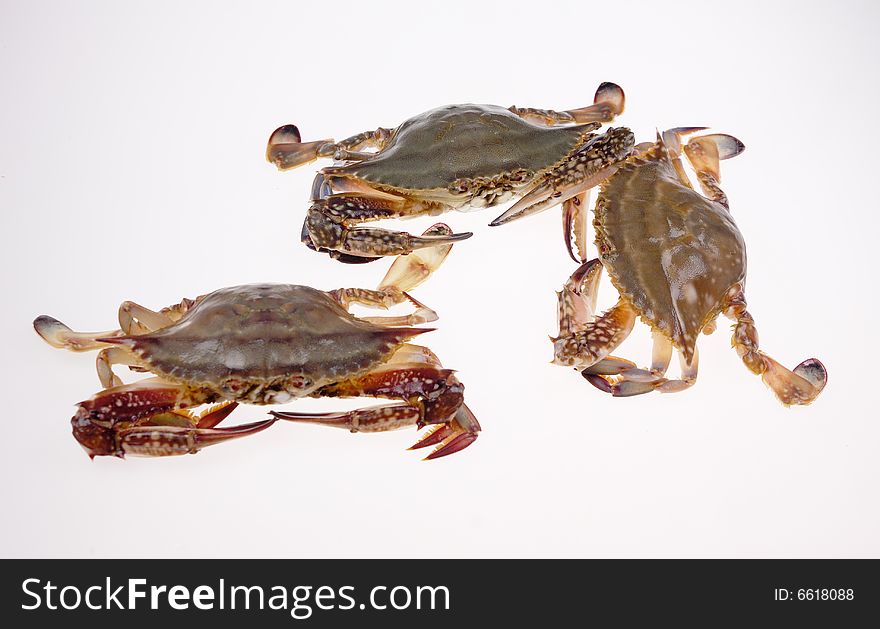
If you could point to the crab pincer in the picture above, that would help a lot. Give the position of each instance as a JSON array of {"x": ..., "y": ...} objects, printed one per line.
[
  {"x": 432, "y": 396},
  {"x": 452, "y": 436}
]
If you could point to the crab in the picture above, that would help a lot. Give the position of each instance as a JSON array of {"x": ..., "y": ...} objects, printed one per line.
[
  {"x": 677, "y": 260},
  {"x": 268, "y": 344},
  {"x": 449, "y": 158}
]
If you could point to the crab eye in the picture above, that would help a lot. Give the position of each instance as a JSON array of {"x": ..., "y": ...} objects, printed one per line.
[
  {"x": 234, "y": 385},
  {"x": 299, "y": 382}
]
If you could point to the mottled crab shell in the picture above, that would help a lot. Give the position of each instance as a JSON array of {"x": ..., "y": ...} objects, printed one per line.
[
  {"x": 268, "y": 336},
  {"x": 668, "y": 250},
  {"x": 435, "y": 149}
]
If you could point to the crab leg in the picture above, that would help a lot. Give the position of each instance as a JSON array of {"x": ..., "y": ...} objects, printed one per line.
[
  {"x": 607, "y": 103},
  {"x": 350, "y": 148},
  {"x": 806, "y": 381},
  {"x": 800, "y": 386},
  {"x": 432, "y": 395},
  {"x": 374, "y": 419},
  {"x": 705, "y": 154},
  {"x": 136, "y": 319},
  {"x": 381, "y": 299},
  {"x": 634, "y": 381},
  {"x": 133, "y": 319},
  {"x": 585, "y": 339},
  {"x": 59, "y": 335},
  {"x": 405, "y": 273},
  {"x": 113, "y": 356},
  {"x": 286, "y": 149},
  {"x": 409, "y": 353}
]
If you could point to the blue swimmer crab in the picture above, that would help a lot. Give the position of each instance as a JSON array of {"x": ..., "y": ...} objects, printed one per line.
[
  {"x": 677, "y": 260},
  {"x": 449, "y": 158},
  {"x": 267, "y": 344}
]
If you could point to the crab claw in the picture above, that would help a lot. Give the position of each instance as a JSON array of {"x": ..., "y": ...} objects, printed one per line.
[
  {"x": 545, "y": 196},
  {"x": 176, "y": 440},
  {"x": 596, "y": 161},
  {"x": 432, "y": 240},
  {"x": 574, "y": 226},
  {"x": 97, "y": 439},
  {"x": 452, "y": 436},
  {"x": 287, "y": 150}
]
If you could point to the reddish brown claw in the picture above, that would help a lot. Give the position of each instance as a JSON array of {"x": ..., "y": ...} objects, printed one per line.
[
  {"x": 176, "y": 440},
  {"x": 453, "y": 436},
  {"x": 165, "y": 434},
  {"x": 433, "y": 437},
  {"x": 457, "y": 444}
]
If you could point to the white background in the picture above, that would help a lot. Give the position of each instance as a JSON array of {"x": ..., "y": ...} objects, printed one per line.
[{"x": 131, "y": 167}]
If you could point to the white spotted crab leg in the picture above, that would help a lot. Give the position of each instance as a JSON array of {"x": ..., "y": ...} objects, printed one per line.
[
  {"x": 608, "y": 102},
  {"x": 586, "y": 340},
  {"x": 625, "y": 379},
  {"x": 802, "y": 385},
  {"x": 432, "y": 395},
  {"x": 286, "y": 149},
  {"x": 705, "y": 153},
  {"x": 406, "y": 273}
]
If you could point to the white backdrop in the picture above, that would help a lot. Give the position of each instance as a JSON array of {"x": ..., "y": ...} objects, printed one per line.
[{"x": 131, "y": 167}]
